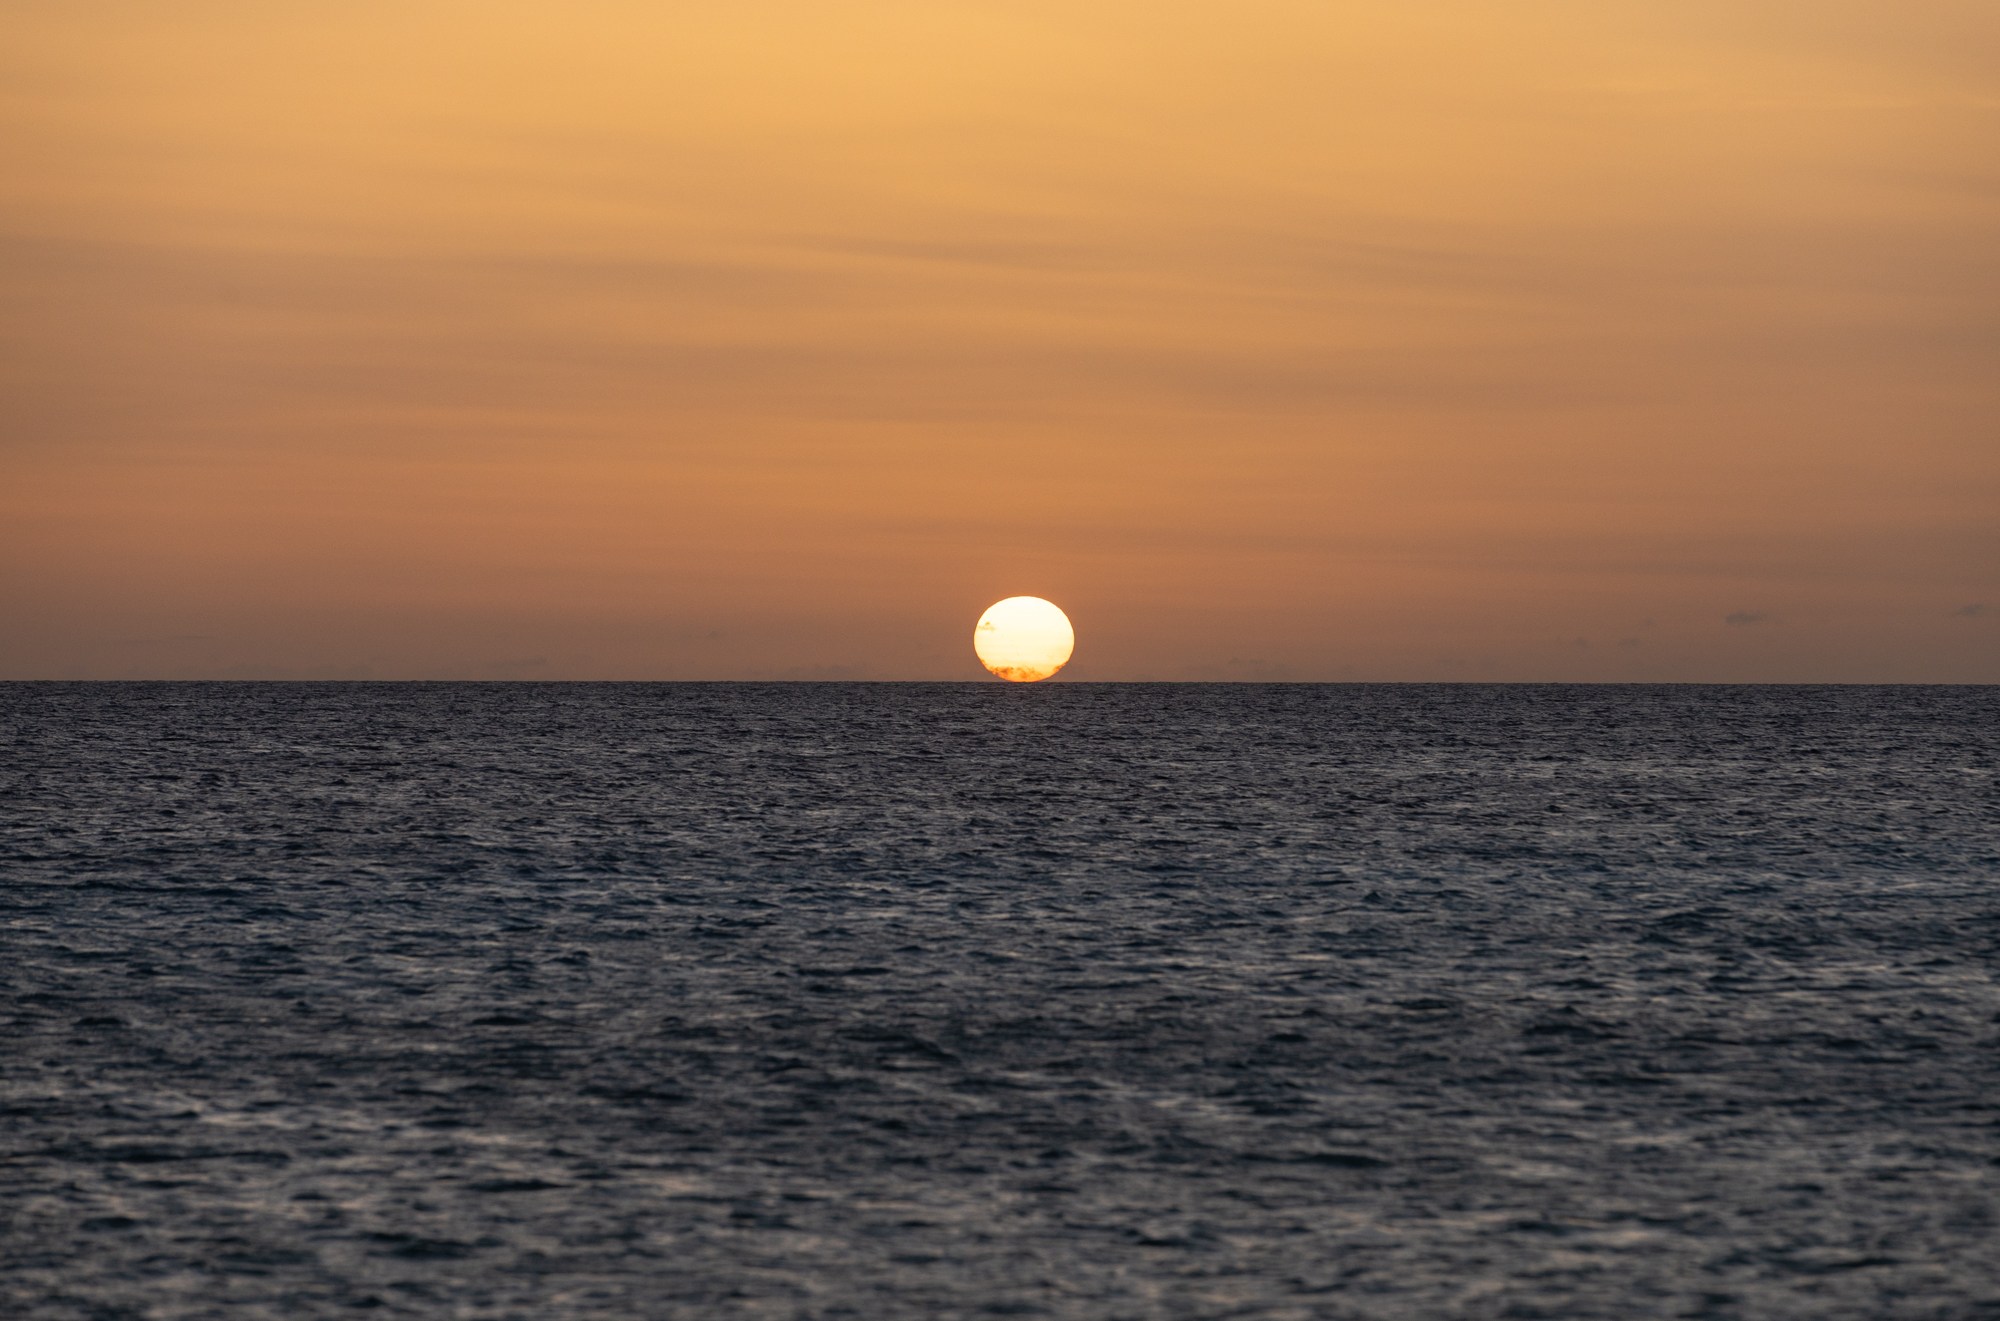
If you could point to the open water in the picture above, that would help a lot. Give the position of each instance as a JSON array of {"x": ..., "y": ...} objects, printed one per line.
[{"x": 956, "y": 1001}]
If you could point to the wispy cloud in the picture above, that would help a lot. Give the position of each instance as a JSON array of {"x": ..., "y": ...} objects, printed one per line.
[{"x": 1741, "y": 618}]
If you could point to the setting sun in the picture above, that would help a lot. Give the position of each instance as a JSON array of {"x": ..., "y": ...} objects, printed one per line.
[{"x": 1023, "y": 639}]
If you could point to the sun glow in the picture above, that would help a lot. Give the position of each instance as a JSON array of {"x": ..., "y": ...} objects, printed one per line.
[{"x": 1023, "y": 639}]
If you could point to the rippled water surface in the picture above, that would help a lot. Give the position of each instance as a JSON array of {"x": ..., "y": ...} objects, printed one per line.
[{"x": 886, "y": 1001}]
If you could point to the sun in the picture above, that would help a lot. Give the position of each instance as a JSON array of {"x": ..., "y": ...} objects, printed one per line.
[{"x": 1023, "y": 639}]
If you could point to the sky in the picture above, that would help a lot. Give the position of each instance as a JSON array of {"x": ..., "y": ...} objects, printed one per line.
[{"x": 1412, "y": 340}]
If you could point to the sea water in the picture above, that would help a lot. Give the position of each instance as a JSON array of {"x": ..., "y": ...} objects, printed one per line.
[{"x": 934, "y": 1000}]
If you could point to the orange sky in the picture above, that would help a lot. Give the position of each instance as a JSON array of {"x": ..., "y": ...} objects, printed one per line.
[{"x": 1439, "y": 340}]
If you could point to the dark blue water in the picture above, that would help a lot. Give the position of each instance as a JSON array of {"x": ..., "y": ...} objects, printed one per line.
[{"x": 886, "y": 1001}]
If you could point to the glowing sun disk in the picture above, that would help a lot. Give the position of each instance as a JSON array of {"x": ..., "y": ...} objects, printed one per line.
[{"x": 1023, "y": 639}]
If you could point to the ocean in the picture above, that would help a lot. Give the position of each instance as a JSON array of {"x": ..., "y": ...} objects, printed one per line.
[{"x": 976, "y": 1000}]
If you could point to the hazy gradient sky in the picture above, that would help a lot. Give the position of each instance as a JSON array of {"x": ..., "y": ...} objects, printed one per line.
[{"x": 1408, "y": 340}]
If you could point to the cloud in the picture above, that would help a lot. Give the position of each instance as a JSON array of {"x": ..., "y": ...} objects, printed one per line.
[
  {"x": 1251, "y": 669},
  {"x": 1739, "y": 618},
  {"x": 819, "y": 674},
  {"x": 1972, "y": 611}
]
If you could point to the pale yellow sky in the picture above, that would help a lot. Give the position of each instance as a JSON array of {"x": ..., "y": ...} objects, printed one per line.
[{"x": 1362, "y": 341}]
